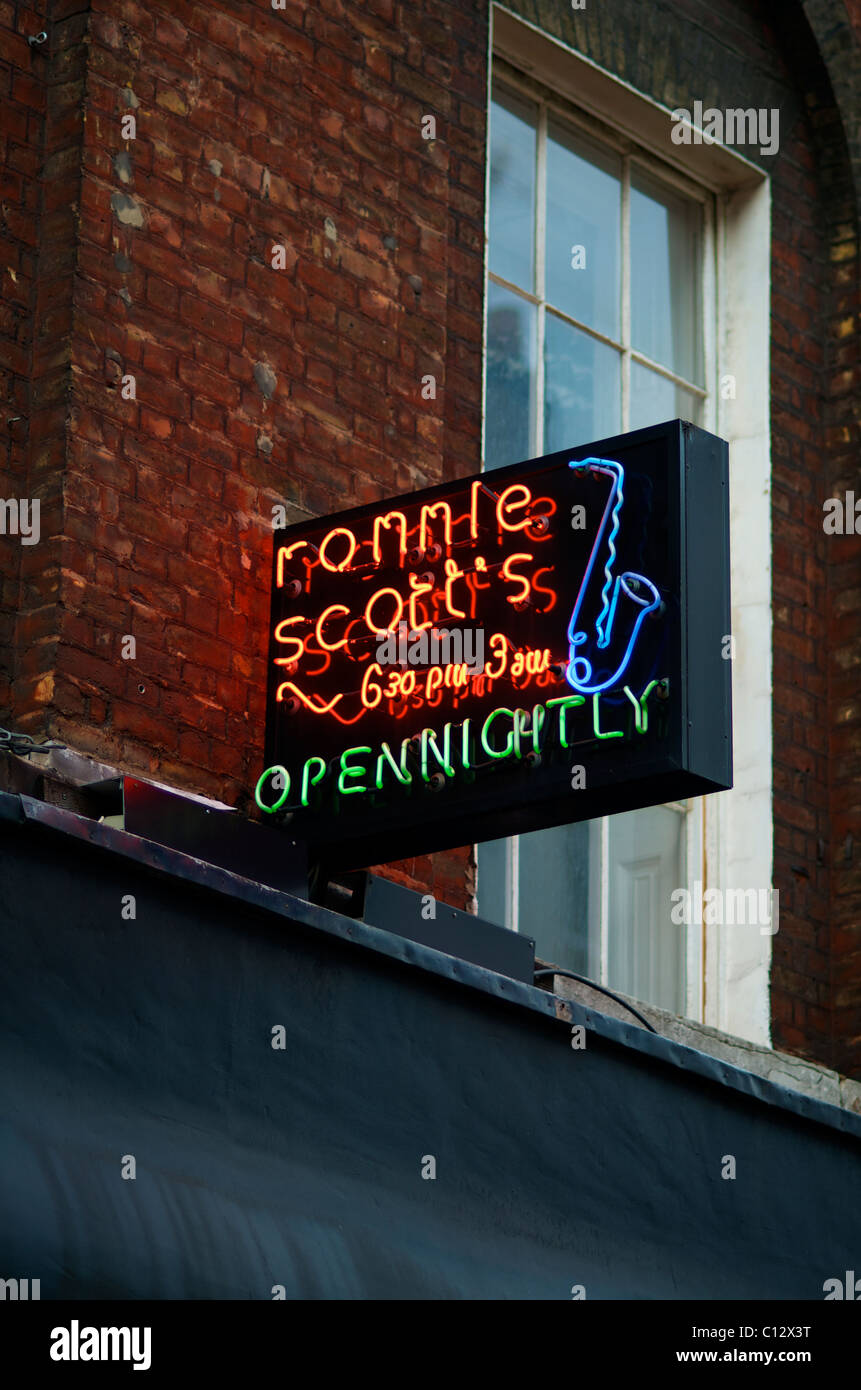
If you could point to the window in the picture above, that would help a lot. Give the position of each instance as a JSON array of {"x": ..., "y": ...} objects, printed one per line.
[
  {"x": 599, "y": 267},
  {"x": 595, "y": 287}
]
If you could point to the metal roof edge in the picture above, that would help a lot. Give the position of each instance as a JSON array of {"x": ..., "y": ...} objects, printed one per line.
[{"x": 24, "y": 810}]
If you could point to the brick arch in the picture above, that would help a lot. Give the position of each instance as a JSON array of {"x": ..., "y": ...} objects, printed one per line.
[{"x": 838, "y": 42}]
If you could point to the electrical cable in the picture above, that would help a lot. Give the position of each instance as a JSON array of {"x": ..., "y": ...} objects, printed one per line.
[
  {"x": 25, "y": 744},
  {"x": 581, "y": 979}
]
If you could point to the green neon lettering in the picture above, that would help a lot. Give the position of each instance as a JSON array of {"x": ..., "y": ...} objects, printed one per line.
[
  {"x": 641, "y": 713},
  {"x": 596, "y": 721},
  {"x": 491, "y": 753},
  {"x": 276, "y": 805},
  {"x": 443, "y": 758},
  {"x": 464, "y": 745},
  {"x": 638, "y": 712},
  {"x": 522, "y": 726},
  {"x": 565, "y": 702},
  {"x": 385, "y": 756},
  {"x": 347, "y": 771},
  {"x": 539, "y": 714},
  {"x": 308, "y": 782}
]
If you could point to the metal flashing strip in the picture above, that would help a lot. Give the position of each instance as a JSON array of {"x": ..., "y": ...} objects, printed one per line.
[{"x": 24, "y": 809}]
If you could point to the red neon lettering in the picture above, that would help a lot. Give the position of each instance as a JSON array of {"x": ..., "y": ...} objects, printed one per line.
[
  {"x": 427, "y": 511},
  {"x": 473, "y": 508},
  {"x": 316, "y": 651},
  {"x": 380, "y": 521},
  {"x": 307, "y": 700},
  {"x": 351, "y": 647},
  {"x": 342, "y": 564},
  {"x": 542, "y": 589},
  {"x": 391, "y": 625},
  {"x": 499, "y": 646},
  {"x": 516, "y": 578},
  {"x": 418, "y": 588},
  {"x": 504, "y": 503},
  {"x": 367, "y": 685},
  {"x": 284, "y": 553},
  {"x": 537, "y": 661},
  {"x": 537, "y": 534},
  {"x": 330, "y": 646},
  {"x": 300, "y": 641},
  {"x": 401, "y": 685},
  {"x": 342, "y": 719},
  {"x": 434, "y": 681},
  {"x": 452, "y": 573}
]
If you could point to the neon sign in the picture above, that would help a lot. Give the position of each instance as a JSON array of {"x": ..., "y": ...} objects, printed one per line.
[
  {"x": 569, "y": 579},
  {"x": 635, "y": 590}
]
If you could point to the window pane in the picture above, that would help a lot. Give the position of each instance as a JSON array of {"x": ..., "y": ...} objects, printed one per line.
[
  {"x": 584, "y": 200},
  {"x": 666, "y": 232},
  {"x": 493, "y": 880},
  {"x": 511, "y": 353},
  {"x": 582, "y": 393},
  {"x": 646, "y": 949},
  {"x": 655, "y": 399},
  {"x": 512, "y": 190},
  {"x": 554, "y": 894}
]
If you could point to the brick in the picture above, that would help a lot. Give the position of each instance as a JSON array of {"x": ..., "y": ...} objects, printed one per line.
[{"x": 207, "y": 318}]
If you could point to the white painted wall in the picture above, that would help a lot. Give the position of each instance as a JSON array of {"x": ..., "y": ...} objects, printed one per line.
[{"x": 739, "y": 822}]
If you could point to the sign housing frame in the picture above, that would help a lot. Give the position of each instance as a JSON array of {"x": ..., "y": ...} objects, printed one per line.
[{"x": 696, "y": 760}]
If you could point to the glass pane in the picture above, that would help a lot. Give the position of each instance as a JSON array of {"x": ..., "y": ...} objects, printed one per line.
[
  {"x": 646, "y": 950},
  {"x": 654, "y": 399},
  {"x": 582, "y": 387},
  {"x": 666, "y": 234},
  {"x": 512, "y": 190},
  {"x": 584, "y": 201},
  {"x": 511, "y": 354},
  {"x": 492, "y": 881},
  {"x": 554, "y": 894}
]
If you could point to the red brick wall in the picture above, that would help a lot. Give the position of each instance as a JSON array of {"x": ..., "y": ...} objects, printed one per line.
[
  {"x": 801, "y": 951},
  {"x": 816, "y": 964},
  {"x": 843, "y": 435},
  {"x": 40, "y": 156},
  {"x": 21, "y": 136},
  {"x": 255, "y": 127}
]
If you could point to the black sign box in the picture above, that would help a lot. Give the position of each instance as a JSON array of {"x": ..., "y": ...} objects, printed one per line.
[{"x": 537, "y": 645}]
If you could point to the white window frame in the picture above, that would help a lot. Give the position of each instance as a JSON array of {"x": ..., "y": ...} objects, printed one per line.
[
  {"x": 630, "y": 157},
  {"x": 728, "y": 840}
]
